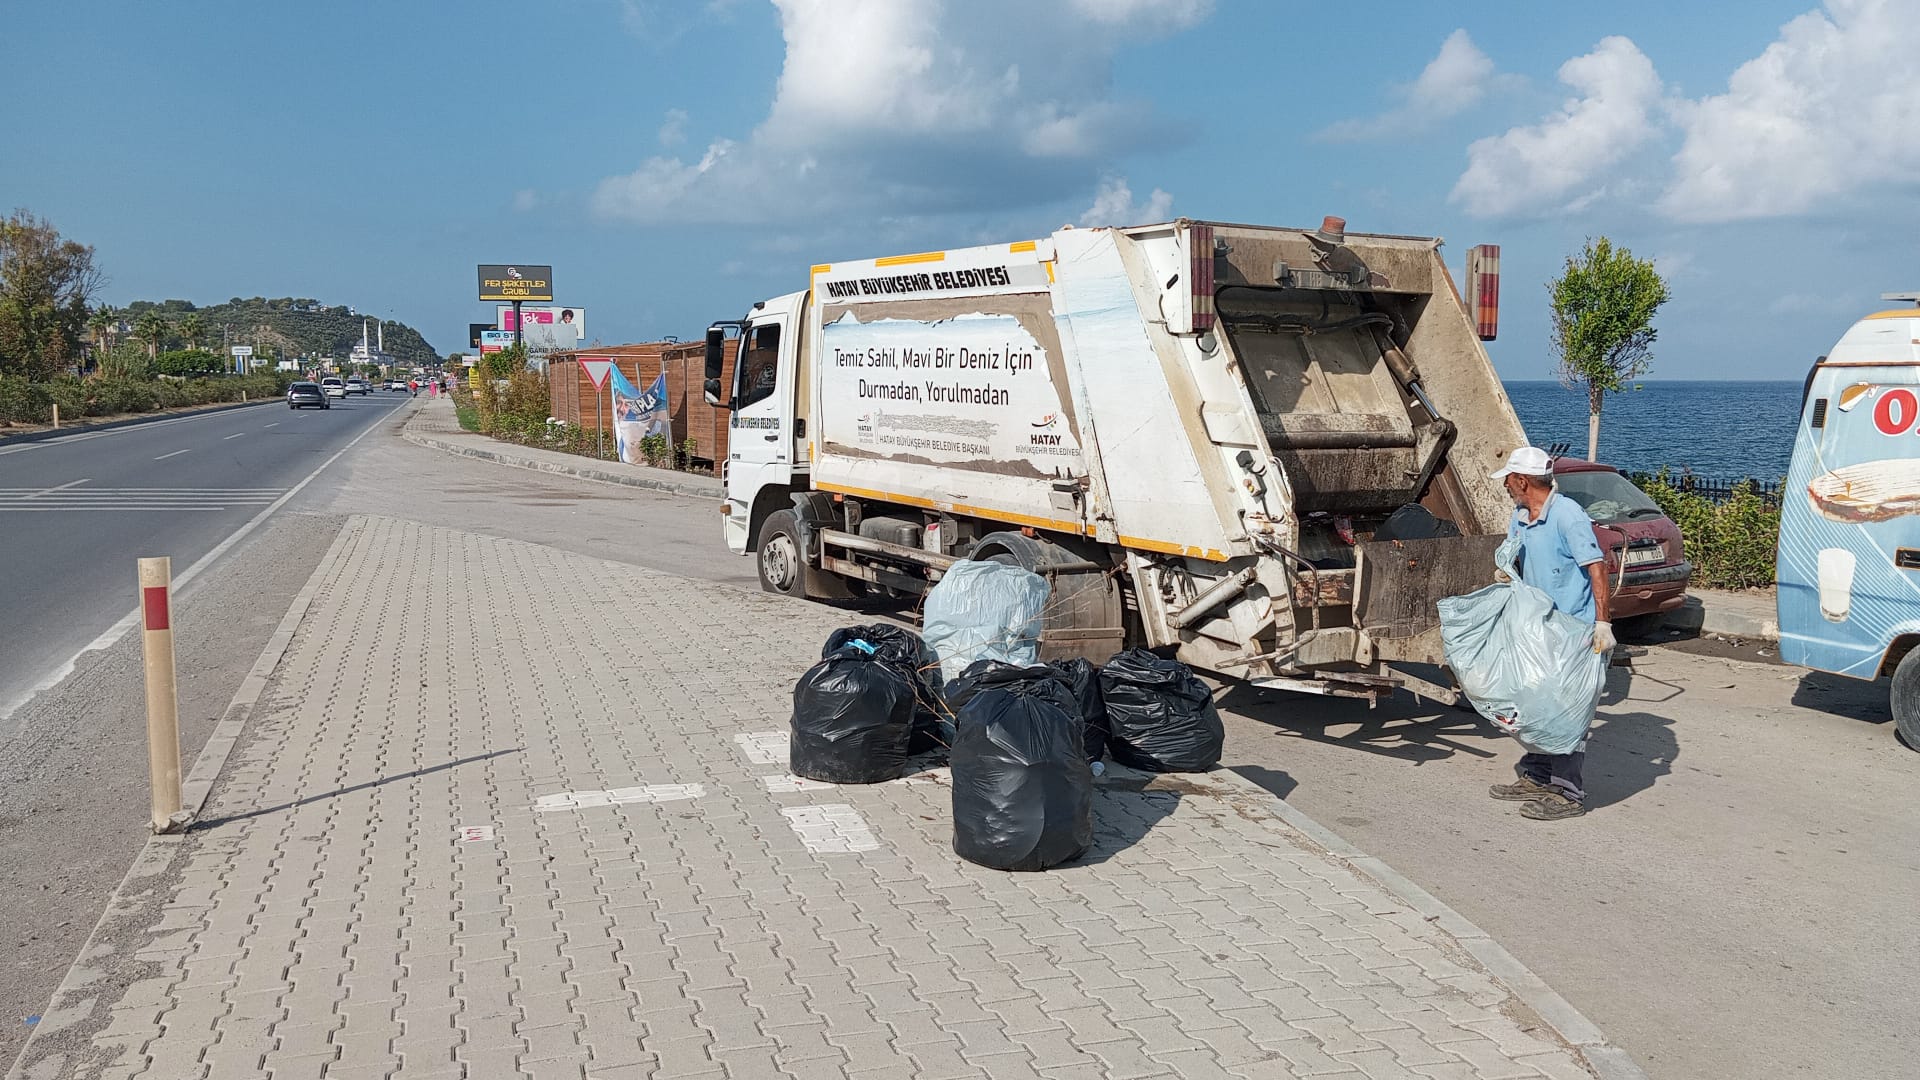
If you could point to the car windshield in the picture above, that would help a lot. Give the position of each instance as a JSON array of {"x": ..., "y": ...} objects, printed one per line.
[
  {"x": 1607, "y": 497},
  {"x": 303, "y": 386}
]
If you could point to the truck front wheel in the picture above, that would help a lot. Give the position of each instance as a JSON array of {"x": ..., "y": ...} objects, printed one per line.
[
  {"x": 780, "y": 567},
  {"x": 1906, "y": 699}
]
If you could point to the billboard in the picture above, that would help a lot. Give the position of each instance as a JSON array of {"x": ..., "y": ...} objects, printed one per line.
[
  {"x": 503, "y": 281},
  {"x": 548, "y": 329},
  {"x": 473, "y": 332},
  {"x": 492, "y": 341}
]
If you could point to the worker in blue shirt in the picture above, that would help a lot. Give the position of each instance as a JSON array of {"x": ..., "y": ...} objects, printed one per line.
[{"x": 1560, "y": 557}]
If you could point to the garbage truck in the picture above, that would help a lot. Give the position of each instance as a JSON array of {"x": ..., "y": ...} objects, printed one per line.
[{"x": 1264, "y": 451}]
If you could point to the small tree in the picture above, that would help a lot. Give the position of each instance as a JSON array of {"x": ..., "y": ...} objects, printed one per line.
[
  {"x": 193, "y": 327},
  {"x": 46, "y": 285},
  {"x": 1603, "y": 307}
]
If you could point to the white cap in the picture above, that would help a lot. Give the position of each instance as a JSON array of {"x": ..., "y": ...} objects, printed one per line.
[{"x": 1525, "y": 461}]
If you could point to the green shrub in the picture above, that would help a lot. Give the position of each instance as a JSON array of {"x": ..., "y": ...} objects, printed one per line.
[{"x": 1731, "y": 544}]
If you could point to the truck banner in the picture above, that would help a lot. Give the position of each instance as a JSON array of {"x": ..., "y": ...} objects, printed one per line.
[
  {"x": 978, "y": 271},
  {"x": 975, "y": 388}
]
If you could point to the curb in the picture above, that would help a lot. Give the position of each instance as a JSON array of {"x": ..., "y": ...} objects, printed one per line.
[
  {"x": 1608, "y": 1062},
  {"x": 1696, "y": 614},
  {"x": 71, "y": 1003},
  {"x": 132, "y": 421},
  {"x": 684, "y": 488}
]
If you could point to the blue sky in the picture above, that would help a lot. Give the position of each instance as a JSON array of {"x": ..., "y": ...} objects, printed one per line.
[{"x": 676, "y": 159}]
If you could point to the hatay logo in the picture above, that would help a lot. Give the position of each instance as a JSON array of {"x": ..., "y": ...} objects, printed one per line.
[{"x": 1043, "y": 439}]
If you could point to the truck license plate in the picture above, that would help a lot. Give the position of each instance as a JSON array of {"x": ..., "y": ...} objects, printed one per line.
[{"x": 1646, "y": 556}]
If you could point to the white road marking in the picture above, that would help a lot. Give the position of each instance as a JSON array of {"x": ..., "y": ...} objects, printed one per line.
[
  {"x": 766, "y": 747},
  {"x": 645, "y": 793},
  {"x": 51, "y": 490},
  {"x": 132, "y": 618},
  {"x": 473, "y": 833},
  {"x": 788, "y": 784},
  {"x": 235, "y": 435},
  {"x": 784, "y": 785},
  {"x": 829, "y": 829},
  {"x": 276, "y": 423},
  {"x": 176, "y": 453}
]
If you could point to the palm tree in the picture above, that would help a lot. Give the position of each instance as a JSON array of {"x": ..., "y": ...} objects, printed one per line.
[
  {"x": 192, "y": 327},
  {"x": 152, "y": 328},
  {"x": 102, "y": 324}
]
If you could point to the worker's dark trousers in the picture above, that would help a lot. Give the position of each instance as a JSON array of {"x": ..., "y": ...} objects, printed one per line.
[{"x": 1558, "y": 771}]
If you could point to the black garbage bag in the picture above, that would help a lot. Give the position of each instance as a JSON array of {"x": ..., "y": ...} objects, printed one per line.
[
  {"x": 1160, "y": 716},
  {"x": 904, "y": 651},
  {"x": 1022, "y": 788},
  {"x": 852, "y": 720},
  {"x": 1082, "y": 680}
]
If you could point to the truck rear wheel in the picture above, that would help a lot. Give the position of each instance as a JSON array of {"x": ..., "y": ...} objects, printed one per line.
[
  {"x": 1085, "y": 615},
  {"x": 781, "y": 568},
  {"x": 1906, "y": 699}
]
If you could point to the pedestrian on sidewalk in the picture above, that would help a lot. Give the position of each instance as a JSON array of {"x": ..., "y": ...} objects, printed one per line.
[
  {"x": 1560, "y": 557},
  {"x": 413, "y": 387}
]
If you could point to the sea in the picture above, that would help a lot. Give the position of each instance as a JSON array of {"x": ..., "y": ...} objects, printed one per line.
[{"x": 1718, "y": 430}]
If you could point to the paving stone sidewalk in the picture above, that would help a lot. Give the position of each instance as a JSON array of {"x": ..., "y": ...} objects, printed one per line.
[{"x": 507, "y": 811}]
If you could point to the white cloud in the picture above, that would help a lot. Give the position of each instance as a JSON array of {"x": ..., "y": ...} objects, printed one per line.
[
  {"x": 525, "y": 199},
  {"x": 1113, "y": 205},
  {"x": 1556, "y": 162},
  {"x": 673, "y": 128},
  {"x": 903, "y": 107},
  {"x": 1830, "y": 108},
  {"x": 1451, "y": 83}
]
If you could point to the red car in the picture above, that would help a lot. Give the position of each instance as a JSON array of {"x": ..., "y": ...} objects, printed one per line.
[{"x": 1626, "y": 521}]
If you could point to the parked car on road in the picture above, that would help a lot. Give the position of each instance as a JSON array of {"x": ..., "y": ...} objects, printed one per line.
[
  {"x": 333, "y": 387},
  {"x": 357, "y": 385},
  {"x": 303, "y": 394},
  {"x": 1646, "y": 561}
]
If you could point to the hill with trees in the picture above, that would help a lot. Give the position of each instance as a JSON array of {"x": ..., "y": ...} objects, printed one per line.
[{"x": 290, "y": 326}]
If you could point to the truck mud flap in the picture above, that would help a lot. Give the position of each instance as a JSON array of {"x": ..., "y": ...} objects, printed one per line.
[{"x": 1398, "y": 585}]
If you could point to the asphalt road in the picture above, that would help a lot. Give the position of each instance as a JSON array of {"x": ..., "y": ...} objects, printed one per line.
[{"x": 78, "y": 510}]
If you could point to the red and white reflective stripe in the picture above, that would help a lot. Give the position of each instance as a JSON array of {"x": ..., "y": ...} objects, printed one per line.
[
  {"x": 155, "y": 607},
  {"x": 1200, "y": 273},
  {"x": 1483, "y": 289}
]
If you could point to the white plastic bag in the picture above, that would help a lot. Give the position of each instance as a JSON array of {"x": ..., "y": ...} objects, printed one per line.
[
  {"x": 985, "y": 611},
  {"x": 1525, "y": 666}
]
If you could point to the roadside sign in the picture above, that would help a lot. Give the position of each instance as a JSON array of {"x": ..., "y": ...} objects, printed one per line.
[
  {"x": 499, "y": 281},
  {"x": 596, "y": 369},
  {"x": 242, "y": 350}
]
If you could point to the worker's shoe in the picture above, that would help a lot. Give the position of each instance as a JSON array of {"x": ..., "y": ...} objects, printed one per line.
[
  {"x": 1521, "y": 790},
  {"x": 1552, "y": 807}
]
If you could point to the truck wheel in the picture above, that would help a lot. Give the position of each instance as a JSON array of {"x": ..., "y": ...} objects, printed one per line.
[
  {"x": 781, "y": 570},
  {"x": 1906, "y": 699}
]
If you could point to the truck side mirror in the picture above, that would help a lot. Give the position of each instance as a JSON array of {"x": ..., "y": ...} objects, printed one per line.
[{"x": 716, "y": 359}]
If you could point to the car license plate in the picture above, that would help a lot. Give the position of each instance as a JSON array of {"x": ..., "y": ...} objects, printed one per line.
[{"x": 1646, "y": 556}]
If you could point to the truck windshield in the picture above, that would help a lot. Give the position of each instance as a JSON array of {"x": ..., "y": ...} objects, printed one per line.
[{"x": 1607, "y": 497}]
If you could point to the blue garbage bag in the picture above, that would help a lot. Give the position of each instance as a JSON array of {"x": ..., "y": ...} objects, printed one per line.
[
  {"x": 1525, "y": 666},
  {"x": 982, "y": 610}
]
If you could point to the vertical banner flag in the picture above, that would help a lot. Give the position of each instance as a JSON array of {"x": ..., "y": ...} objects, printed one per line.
[{"x": 637, "y": 414}]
